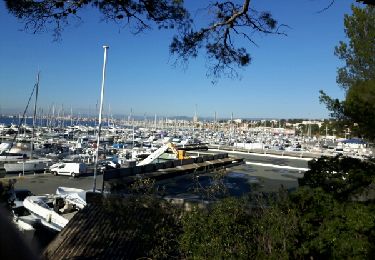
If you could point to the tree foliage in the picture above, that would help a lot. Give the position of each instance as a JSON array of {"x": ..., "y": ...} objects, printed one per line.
[
  {"x": 152, "y": 224},
  {"x": 234, "y": 229},
  {"x": 342, "y": 177},
  {"x": 359, "y": 53},
  {"x": 330, "y": 216},
  {"x": 357, "y": 77},
  {"x": 219, "y": 233},
  {"x": 335, "y": 212},
  {"x": 332, "y": 229},
  {"x": 360, "y": 106},
  {"x": 139, "y": 15},
  {"x": 334, "y": 105},
  {"x": 228, "y": 22}
]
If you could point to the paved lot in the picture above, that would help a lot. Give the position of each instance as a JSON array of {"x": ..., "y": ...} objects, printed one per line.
[
  {"x": 48, "y": 183},
  {"x": 269, "y": 159},
  {"x": 270, "y": 179}
]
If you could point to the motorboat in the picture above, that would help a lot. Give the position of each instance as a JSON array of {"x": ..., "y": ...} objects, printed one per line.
[
  {"x": 31, "y": 165},
  {"x": 57, "y": 209},
  {"x": 11, "y": 157}
]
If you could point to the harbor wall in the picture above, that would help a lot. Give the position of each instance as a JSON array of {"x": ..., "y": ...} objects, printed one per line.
[
  {"x": 164, "y": 169},
  {"x": 297, "y": 154}
]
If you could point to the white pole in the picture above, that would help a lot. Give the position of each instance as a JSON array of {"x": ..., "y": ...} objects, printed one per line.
[{"x": 100, "y": 116}]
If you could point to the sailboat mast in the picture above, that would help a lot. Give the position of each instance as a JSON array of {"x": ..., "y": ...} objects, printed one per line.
[
  {"x": 34, "y": 116},
  {"x": 71, "y": 116},
  {"x": 155, "y": 122}
]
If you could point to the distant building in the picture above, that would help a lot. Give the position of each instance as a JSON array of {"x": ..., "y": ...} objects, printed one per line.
[{"x": 312, "y": 122}]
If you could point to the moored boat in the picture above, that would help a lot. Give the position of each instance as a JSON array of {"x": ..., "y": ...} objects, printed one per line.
[
  {"x": 32, "y": 165},
  {"x": 53, "y": 209}
]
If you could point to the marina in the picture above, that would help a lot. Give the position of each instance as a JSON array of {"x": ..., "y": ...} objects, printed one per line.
[
  {"x": 176, "y": 155},
  {"x": 129, "y": 143},
  {"x": 153, "y": 139}
]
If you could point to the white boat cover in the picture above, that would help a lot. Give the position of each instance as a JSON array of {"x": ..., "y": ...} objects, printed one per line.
[{"x": 73, "y": 195}]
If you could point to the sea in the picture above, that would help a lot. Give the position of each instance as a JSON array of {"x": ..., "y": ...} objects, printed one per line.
[{"x": 9, "y": 120}]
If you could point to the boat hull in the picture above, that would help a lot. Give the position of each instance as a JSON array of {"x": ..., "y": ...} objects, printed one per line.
[{"x": 28, "y": 166}]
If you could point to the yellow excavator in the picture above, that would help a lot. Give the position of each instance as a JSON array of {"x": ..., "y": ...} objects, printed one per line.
[{"x": 180, "y": 154}]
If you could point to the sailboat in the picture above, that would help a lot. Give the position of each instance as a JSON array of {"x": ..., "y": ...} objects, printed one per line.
[{"x": 29, "y": 165}]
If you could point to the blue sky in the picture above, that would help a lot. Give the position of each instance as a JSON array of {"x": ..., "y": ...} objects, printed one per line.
[{"x": 283, "y": 80}]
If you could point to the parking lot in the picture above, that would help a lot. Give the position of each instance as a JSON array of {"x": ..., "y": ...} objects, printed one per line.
[
  {"x": 269, "y": 179},
  {"x": 43, "y": 183}
]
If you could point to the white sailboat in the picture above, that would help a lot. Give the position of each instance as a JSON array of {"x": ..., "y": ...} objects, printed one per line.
[{"x": 29, "y": 165}]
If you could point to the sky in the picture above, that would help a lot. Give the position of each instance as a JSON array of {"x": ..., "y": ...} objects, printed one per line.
[{"x": 283, "y": 80}]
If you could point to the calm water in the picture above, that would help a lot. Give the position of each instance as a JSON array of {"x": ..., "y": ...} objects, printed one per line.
[{"x": 43, "y": 122}]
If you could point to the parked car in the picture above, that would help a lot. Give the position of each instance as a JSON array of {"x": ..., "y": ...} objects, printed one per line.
[{"x": 70, "y": 169}]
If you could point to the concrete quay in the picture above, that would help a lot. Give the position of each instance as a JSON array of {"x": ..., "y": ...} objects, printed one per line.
[
  {"x": 173, "y": 168},
  {"x": 283, "y": 153}
]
